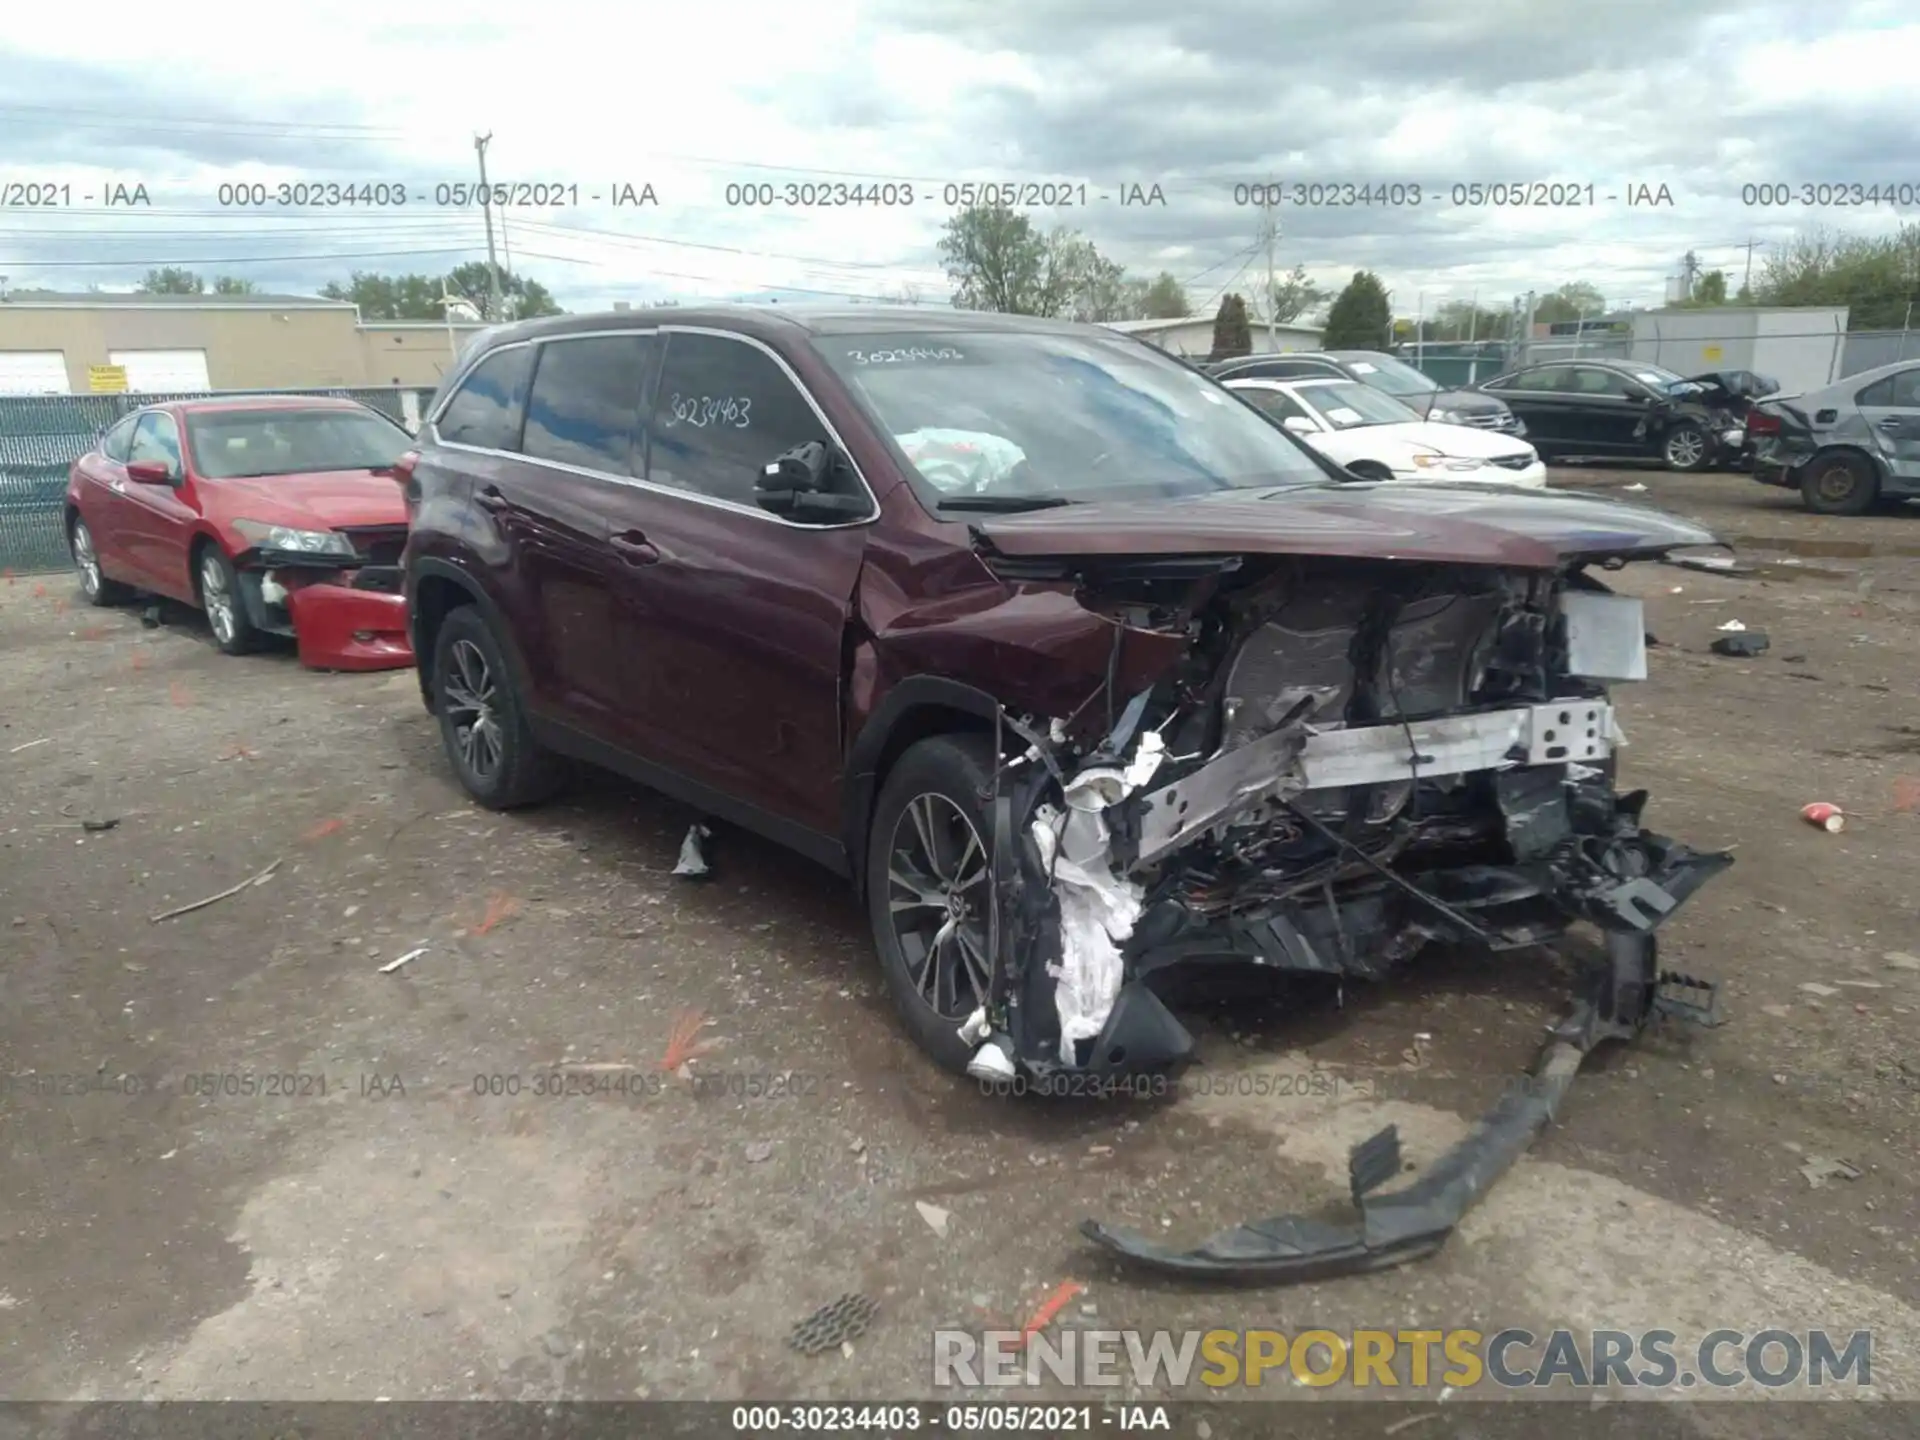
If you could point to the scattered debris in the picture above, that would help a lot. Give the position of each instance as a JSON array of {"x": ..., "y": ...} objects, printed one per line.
[
  {"x": 30, "y": 744},
  {"x": 682, "y": 1042},
  {"x": 1061, "y": 1297},
  {"x": 758, "y": 1150},
  {"x": 150, "y": 617},
  {"x": 693, "y": 856},
  {"x": 1900, "y": 960},
  {"x": 96, "y": 826},
  {"x": 934, "y": 1216},
  {"x": 499, "y": 906},
  {"x": 1906, "y": 794},
  {"x": 832, "y": 1326},
  {"x": 179, "y": 694},
  {"x": 1778, "y": 1012},
  {"x": 1827, "y": 816},
  {"x": 555, "y": 1344},
  {"x": 1412, "y": 1420},
  {"x": 1864, "y": 984},
  {"x": 1634, "y": 489},
  {"x": 1814, "y": 987},
  {"x": 1793, "y": 659},
  {"x": 1731, "y": 625},
  {"x": 1742, "y": 646},
  {"x": 858, "y": 1146},
  {"x": 393, "y": 965},
  {"x": 1820, "y": 1168},
  {"x": 259, "y": 879},
  {"x": 324, "y": 829}
]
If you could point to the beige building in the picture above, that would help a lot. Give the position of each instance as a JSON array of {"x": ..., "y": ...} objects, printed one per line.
[
  {"x": 1192, "y": 337},
  {"x": 54, "y": 344}
]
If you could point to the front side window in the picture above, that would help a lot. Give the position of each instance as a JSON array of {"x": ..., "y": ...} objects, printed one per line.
[
  {"x": 1593, "y": 380},
  {"x": 584, "y": 408},
  {"x": 114, "y": 443},
  {"x": 723, "y": 409},
  {"x": 1349, "y": 405},
  {"x": 1008, "y": 417},
  {"x": 486, "y": 410},
  {"x": 156, "y": 437},
  {"x": 241, "y": 444}
]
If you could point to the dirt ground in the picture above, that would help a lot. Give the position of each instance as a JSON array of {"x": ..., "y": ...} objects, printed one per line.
[{"x": 411, "y": 1216}]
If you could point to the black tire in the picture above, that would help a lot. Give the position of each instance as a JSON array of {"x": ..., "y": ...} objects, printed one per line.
[
  {"x": 493, "y": 753},
  {"x": 946, "y": 777},
  {"x": 217, "y": 584},
  {"x": 1839, "y": 484},
  {"x": 1687, "y": 447},
  {"x": 95, "y": 587}
]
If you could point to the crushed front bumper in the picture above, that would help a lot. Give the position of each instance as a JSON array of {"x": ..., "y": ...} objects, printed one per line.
[{"x": 339, "y": 619}]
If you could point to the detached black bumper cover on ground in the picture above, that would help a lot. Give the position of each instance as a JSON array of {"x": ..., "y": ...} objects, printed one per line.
[{"x": 1620, "y": 998}]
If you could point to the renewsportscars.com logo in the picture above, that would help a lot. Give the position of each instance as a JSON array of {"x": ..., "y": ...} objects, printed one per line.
[{"x": 1720, "y": 1360}]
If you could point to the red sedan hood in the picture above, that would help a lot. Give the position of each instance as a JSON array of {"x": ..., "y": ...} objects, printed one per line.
[
  {"x": 321, "y": 500},
  {"x": 1457, "y": 524}
]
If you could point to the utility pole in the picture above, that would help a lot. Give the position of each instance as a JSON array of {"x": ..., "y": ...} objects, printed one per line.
[
  {"x": 1270, "y": 227},
  {"x": 480, "y": 143},
  {"x": 1746, "y": 280}
]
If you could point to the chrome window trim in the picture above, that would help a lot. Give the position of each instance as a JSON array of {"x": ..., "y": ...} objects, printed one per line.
[{"x": 650, "y": 486}]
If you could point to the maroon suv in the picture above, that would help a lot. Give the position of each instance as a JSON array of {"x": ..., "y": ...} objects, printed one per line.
[{"x": 1074, "y": 662}]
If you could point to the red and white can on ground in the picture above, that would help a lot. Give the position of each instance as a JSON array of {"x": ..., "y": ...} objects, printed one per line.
[{"x": 1826, "y": 816}]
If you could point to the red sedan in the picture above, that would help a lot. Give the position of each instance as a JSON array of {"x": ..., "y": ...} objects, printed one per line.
[{"x": 277, "y": 516}]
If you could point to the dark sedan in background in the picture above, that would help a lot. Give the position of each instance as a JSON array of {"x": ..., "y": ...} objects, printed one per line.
[
  {"x": 1425, "y": 395},
  {"x": 1619, "y": 408}
]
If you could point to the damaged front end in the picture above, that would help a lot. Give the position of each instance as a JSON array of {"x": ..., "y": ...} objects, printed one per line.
[
  {"x": 342, "y": 613},
  {"x": 1352, "y": 758}
]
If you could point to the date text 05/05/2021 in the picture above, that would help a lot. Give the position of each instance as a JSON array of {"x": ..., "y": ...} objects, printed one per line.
[{"x": 990, "y": 1419}]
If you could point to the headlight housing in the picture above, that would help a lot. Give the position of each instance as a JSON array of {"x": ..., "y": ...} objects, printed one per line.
[
  {"x": 285, "y": 537},
  {"x": 1437, "y": 461},
  {"x": 1448, "y": 417}
]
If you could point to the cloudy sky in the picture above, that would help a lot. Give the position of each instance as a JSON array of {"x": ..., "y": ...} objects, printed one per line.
[{"x": 1702, "y": 97}]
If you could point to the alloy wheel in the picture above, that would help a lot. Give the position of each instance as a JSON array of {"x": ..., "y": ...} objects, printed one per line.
[
  {"x": 84, "y": 557},
  {"x": 470, "y": 698},
  {"x": 216, "y": 599},
  {"x": 1685, "y": 448},
  {"x": 937, "y": 892}
]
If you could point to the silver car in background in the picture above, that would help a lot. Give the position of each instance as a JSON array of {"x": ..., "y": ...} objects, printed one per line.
[{"x": 1846, "y": 447}]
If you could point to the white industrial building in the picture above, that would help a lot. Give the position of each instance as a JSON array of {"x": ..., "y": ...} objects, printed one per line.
[{"x": 1192, "y": 337}]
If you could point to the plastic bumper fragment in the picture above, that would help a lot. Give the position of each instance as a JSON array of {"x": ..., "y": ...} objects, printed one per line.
[{"x": 338, "y": 627}]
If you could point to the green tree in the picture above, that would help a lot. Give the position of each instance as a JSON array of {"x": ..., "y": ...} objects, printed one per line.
[
  {"x": 1232, "y": 331},
  {"x": 1576, "y": 300},
  {"x": 1293, "y": 295},
  {"x": 520, "y": 298},
  {"x": 232, "y": 285},
  {"x": 172, "y": 280},
  {"x": 998, "y": 260},
  {"x": 1463, "y": 320},
  {"x": 390, "y": 297},
  {"x": 1163, "y": 298},
  {"x": 1876, "y": 277},
  {"x": 1360, "y": 318}
]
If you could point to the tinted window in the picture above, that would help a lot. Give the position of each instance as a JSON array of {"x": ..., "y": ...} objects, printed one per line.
[
  {"x": 723, "y": 409},
  {"x": 1592, "y": 380},
  {"x": 486, "y": 410},
  {"x": 1895, "y": 392},
  {"x": 585, "y": 404},
  {"x": 293, "y": 442},
  {"x": 156, "y": 437},
  {"x": 1545, "y": 377},
  {"x": 114, "y": 443}
]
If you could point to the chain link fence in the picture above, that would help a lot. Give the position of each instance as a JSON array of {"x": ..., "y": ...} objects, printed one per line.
[{"x": 42, "y": 435}]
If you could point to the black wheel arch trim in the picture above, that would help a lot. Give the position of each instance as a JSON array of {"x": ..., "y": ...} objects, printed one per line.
[
  {"x": 429, "y": 567},
  {"x": 861, "y": 786}
]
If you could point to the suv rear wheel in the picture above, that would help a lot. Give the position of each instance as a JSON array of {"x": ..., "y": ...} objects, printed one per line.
[
  {"x": 929, "y": 880},
  {"x": 483, "y": 723}
]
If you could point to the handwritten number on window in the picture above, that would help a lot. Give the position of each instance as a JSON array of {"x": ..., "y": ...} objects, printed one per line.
[{"x": 702, "y": 411}]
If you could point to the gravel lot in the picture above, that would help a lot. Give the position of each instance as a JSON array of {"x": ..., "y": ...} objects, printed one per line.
[{"x": 408, "y": 1233}]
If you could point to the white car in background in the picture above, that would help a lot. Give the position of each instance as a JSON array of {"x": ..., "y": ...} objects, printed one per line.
[{"x": 1374, "y": 435}]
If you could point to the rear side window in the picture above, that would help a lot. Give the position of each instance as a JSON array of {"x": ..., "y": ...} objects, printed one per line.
[
  {"x": 723, "y": 409},
  {"x": 1546, "y": 377},
  {"x": 486, "y": 410},
  {"x": 114, "y": 443},
  {"x": 584, "y": 408},
  {"x": 1895, "y": 392}
]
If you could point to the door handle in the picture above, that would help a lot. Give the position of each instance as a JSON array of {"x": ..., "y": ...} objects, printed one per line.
[
  {"x": 1891, "y": 424},
  {"x": 634, "y": 548},
  {"x": 490, "y": 498}
]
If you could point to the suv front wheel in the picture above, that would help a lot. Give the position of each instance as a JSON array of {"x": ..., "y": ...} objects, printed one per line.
[
  {"x": 929, "y": 884},
  {"x": 483, "y": 722}
]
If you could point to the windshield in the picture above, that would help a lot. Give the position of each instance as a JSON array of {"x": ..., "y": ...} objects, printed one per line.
[
  {"x": 245, "y": 443},
  {"x": 1383, "y": 372},
  {"x": 1347, "y": 404},
  {"x": 991, "y": 419}
]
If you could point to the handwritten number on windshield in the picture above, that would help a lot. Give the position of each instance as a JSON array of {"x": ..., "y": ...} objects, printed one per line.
[
  {"x": 701, "y": 411},
  {"x": 901, "y": 357}
]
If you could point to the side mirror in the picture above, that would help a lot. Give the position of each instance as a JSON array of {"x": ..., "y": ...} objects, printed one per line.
[
  {"x": 796, "y": 484},
  {"x": 1300, "y": 425},
  {"x": 149, "y": 472}
]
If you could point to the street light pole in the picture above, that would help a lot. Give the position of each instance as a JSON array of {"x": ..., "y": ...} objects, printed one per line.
[{"x": 480, "y": 143}]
